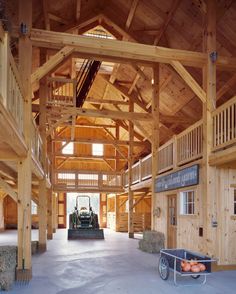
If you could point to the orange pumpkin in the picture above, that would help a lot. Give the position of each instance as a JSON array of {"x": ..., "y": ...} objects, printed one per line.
[
  {"x": 187, "y": 267},
  {"x": 202, "y": 267},
  {"x": 195, "y": 268}
]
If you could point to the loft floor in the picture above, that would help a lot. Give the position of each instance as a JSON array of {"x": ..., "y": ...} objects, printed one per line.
[{"x": 113, "y": 265}]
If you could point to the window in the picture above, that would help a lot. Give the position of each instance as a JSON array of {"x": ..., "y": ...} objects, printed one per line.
[
  {"x": 68, "y": 148},
  {"x": 34, "y": 207},
  {"x": 234, "y": 201},
  {"x": 187, "y": 202},
  {"x": 97, "y": 149}
]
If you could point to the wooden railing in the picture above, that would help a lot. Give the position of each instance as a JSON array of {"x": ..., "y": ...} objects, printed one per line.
[
  {"x": 224, "y": 125},
  {"x": 166, "y": 156},
  {"x": 61, "y": 92},
  {"x": 36, "y": 142},
  {"x": 190, "y": 144},
  {"x": 183, "y": 148},
  {"x": 11, "y": 91},
  {"x": 73, "y": 180},
  {"x": 146, "y": 167}
]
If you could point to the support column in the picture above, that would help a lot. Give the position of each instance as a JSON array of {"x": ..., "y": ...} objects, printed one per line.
[
  {"x": 2, "y": 227},
  {"x": 209, "y": 85},
  {"x": 116, "y": 151},
  {"x": 130, "y": 163},
  {"x": 24, "y": 270},
  {"x": 54, "y": 212},
  {"x": 49, "y": 216},
  {"x": 155, "y": 135},
  {"x": 42, "y": 208},
  {"x": 117, "y": 210}
]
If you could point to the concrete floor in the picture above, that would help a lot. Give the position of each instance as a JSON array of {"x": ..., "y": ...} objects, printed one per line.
[{"x": 113, "y": 266}]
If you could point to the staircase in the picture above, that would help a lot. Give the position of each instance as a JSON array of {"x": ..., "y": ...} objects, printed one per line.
[{"x": 85, "y": 80}]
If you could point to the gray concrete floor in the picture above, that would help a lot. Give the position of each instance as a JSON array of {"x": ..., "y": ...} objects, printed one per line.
[{"x": 113, "y": 266}]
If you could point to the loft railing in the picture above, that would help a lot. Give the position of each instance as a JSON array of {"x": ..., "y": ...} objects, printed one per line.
[
  {"x": 166, "y": 156},
  {"x": 73, "y": 180},
  {"x": 184, "y": 148},
  {"x": 36, "y": 142},
  {"x": 224, "y": 125},
  {"x": 190, "y": 143},
  {"x": 11, "y": 91},
  {"x": 61, "y": 92}
]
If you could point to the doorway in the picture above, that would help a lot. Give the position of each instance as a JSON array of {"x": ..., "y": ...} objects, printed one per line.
[{"x": 172, "y": 221}]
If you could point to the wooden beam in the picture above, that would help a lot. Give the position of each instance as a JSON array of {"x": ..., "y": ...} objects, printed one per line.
[
  {"x": 8, "y": 189},
  {"x": 114, "y": 49},
  {"x": 78, "y": 9},
  {"x": 226, "y": 87},
  {"x": 46, "y": 16},
  {"x": 130, "y": 164},
  {"x": 24, "y": 265},
  {"x": 105, "y": 113},
  {"x": 189, "y": 80},
  {"x": 131, "y": 13},
  {"x": 88, "y": 156},
  {"x": 168, "y": 19},
  {"x": 106, "y": 101},
  {"x": 140, "y": 199},
  {"x": 58, "y": 19},
  {"x": 210, "y": 243},
  {"x": 51, "y": 64},
  {"x": 78, "y": 140},
  {"x": 155, "y": 135}
]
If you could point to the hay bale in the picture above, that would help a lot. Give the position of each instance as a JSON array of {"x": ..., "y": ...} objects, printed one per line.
[
  {"x": 7, "y": 266},
  {"x": 152, "y": 242}
]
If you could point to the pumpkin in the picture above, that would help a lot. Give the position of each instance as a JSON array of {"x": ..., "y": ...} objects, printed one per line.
[
  {"x": 195, "y": 268},
  {"x": 202, "y": 267},
  {"x": 187, "y": 267},
  {"x": 193, "y": 262},
  {"x": 183, "y": 262}
]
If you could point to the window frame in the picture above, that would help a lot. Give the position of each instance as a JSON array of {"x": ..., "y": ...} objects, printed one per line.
[{"x": 185, "y": 202}]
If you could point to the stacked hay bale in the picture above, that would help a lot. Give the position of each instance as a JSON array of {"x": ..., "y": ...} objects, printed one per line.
[
  {"x": 7, "y": 266},
  {"x": 152, "y": 241}
]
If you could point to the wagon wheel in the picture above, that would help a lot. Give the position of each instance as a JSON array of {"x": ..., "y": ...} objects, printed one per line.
[
  {"x": 195, "y": 276},
  {"x": 163, "y": 268}
]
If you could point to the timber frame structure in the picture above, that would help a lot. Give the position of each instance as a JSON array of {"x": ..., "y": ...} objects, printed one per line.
[{"x": 157, "y": 96}]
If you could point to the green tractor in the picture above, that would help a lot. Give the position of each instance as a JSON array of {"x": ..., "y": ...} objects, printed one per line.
[{"x": 83, "y": 222}]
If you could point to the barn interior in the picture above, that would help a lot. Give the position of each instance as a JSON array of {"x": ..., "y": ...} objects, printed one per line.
[{"x": 113, "y": 100}]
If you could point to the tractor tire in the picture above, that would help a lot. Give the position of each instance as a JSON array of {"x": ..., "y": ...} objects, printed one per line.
[{"x": 95, "y": 222}]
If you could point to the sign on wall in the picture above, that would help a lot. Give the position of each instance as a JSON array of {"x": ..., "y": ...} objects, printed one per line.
[{"x": 182, "y": 178}]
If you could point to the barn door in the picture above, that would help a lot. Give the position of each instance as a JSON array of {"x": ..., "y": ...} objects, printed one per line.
[{"x": 172, "y": 222}]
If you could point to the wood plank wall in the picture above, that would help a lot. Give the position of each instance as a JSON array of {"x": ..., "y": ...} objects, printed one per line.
[{"x": 223, "y": 237}]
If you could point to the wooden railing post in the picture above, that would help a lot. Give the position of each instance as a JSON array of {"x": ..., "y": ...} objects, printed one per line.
[{"x": 175, "y": 152}]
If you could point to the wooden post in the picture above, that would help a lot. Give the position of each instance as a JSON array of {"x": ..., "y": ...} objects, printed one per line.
[
  {"x": 130, "y": 163},
  {"x": 1, "y": 212},
  {"x": 24, "y": 270},
  {"x": 54, "y": 212},
  {"x": 155, "y": 134},
  {"x": 42, "y": 208},
  {"x": 116, "y": 151},
  {"x": 209, "y": 85},
  {"x": 49, "y": 215},
  {"x": 117, "y": 210}
]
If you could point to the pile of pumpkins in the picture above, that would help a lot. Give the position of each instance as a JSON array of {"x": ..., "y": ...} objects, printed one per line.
[{"x": 192, "y": 266}]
